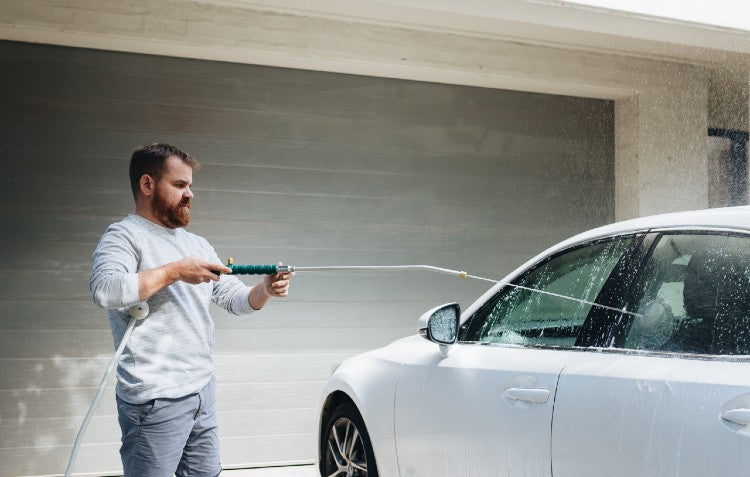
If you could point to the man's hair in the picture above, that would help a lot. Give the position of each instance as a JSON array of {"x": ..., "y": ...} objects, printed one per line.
[{"x": 150, "y": 159}]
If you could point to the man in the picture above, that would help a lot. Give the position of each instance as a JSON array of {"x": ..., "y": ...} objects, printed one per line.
[{"x": 165, "y": 384}]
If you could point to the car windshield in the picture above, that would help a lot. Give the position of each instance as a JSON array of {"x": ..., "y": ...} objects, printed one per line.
[{"x": 548, "y": 304}]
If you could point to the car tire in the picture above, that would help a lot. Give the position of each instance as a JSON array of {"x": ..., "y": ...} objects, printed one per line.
[{"x": 346, "y": 449}]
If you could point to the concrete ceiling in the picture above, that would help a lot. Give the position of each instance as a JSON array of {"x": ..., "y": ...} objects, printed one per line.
[{"x": 551, "y": 22}]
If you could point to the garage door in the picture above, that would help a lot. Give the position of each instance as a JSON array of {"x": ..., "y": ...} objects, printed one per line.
[{"x": 309, "y": 167}]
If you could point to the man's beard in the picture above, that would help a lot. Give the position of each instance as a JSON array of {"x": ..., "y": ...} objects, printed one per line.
[{"x": 172, "y": 217}]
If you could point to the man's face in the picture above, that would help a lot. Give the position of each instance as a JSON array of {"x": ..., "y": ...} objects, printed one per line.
[{"x": 172, "y": 195}]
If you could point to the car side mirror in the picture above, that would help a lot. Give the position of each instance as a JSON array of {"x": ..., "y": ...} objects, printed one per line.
[{"x": 440, "y": 324}]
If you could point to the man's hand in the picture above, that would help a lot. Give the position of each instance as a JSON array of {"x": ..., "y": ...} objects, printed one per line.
[
  {"x": 278, "y": 285},
  {"x": 195, "y": 270},
  {"x": 272, "y": 286}
]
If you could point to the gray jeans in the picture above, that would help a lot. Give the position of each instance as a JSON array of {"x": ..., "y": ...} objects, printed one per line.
[{"x": 166, "y": 437}]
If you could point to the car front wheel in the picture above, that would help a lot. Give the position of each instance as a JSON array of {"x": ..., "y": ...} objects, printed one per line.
[{"x": 347, "y": 452}]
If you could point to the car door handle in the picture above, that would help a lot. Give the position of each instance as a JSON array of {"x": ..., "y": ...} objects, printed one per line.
[
  {"x": 535, "y": 396},
  {"x": 739, "y": 416}
]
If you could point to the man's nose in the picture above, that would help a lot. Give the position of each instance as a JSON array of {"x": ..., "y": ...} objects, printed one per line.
[{"x": 188, "y": 193}]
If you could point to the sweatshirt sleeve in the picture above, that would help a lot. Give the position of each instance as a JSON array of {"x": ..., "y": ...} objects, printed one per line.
[
  {"x": 229, "y": 292},
  {"x": 114, "y": 278}
]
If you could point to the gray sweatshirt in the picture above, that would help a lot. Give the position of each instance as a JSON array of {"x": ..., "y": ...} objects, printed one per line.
[{"x": 169, "y": 353}]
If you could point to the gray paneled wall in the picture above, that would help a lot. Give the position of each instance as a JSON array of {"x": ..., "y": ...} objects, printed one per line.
[{"x": 309, "y": 167}]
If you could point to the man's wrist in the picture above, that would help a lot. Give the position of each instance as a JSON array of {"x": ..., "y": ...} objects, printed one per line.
[
  {"x": 259, "y": 295},
  {"x": 171, "y": 273}
]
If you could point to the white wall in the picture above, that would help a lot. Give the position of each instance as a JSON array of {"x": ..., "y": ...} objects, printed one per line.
[{"x": 661, "y": 140}]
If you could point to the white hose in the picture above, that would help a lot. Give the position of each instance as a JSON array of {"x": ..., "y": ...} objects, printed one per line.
[{"x": 138, "y": 312}]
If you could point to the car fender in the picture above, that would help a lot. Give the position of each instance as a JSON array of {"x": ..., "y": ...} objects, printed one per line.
[{"x": 369, "y": 380}]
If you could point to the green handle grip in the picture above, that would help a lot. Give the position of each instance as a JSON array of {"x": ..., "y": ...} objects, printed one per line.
[{"x": 254, "y": 269}]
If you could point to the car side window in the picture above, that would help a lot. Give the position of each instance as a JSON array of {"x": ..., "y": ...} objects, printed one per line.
[
  {"x": 548, "y": 304},
  {"x": 693, "y": 296}
]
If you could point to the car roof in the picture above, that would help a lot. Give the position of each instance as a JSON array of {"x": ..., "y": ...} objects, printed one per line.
[{"x": 726, "y": 217}]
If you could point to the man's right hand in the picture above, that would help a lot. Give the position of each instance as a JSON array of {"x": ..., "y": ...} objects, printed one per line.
[
  {"x": 195, "y": 270},
  {"x": 191, "y": 269}
]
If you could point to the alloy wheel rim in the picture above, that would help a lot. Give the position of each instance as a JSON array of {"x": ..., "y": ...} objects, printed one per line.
[{"x": 345, "y": 450}]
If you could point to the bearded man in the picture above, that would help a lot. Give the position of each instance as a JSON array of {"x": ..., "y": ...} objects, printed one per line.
[{"x": 165, "y": 387}]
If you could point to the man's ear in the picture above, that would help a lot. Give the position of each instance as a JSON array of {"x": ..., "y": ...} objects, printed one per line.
[{"x": 147, "y": 185}]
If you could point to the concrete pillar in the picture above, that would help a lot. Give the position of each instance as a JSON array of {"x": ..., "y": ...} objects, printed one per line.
[{"x": 661, "y": 148}]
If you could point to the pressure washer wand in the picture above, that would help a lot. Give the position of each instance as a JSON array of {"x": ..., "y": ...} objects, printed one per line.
[{"x": 274, "y": 269}]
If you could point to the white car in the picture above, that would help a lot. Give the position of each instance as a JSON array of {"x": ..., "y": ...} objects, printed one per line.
[{"x": 623, "y": 351}]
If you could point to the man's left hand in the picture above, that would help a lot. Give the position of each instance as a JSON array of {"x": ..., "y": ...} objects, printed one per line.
[{"x": 278, "y": 285}]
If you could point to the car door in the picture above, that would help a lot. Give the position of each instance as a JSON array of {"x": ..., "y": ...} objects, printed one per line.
[
  {"x": 671, "y": 394},
  {"x": 486, "y": 408}
]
